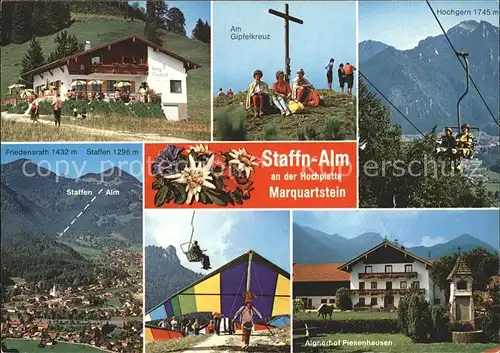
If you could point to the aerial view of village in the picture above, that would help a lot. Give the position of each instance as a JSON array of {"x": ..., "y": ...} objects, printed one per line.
[
  {"x": 396, "y": 281},
  {"x": 71, "y": 248},
  {"x": 105, "y": 71}
]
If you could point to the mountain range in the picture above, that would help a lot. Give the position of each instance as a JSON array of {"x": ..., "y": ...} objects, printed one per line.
[
  {"x": 35, "y": 201},
  {"x": 311, "y": 246},
  {"x": 425, "y": 82},
  {"x": 165, "y": 275}
]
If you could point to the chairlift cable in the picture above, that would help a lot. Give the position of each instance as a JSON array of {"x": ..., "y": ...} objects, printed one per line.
[
  {"x": 392, "y": 105},
  {"x": 192, "y": 229},
  {"x": 460, "y": 61}
]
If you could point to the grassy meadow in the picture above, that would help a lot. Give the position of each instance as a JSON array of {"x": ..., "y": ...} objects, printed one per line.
[
  {"x": 177, "y": 345},
  {"x": 102, "y": 29},
  {"x": 341, "y": 108},
  {"x": 346, "y": 315},
  {"x": 395, "y": 343}
]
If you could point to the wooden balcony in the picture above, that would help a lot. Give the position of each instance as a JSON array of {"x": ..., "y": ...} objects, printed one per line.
[
  {"x": 387, "y": 275},
  {"x": 383, "y": 291},
  {"x": 122, "y": 69}
]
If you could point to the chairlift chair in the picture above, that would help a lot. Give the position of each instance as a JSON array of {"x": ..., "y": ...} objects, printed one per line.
[
  {"x": 464, "y": 153},
  {"x": 190, "y": 254},
  {"x": 187, "y": 248}
]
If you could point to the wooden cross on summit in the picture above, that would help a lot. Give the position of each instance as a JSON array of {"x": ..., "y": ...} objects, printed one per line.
[{"x": 286, "y": 16}]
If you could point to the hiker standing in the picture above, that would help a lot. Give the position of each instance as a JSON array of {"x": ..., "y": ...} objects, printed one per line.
[
  {"x": 349, "y": 73},
  {"x": 329, "y": 73},
  {"x": 57, "y": 104},
  {"x": 216, "y": 317},
  {"x": 342, "y": 78}
]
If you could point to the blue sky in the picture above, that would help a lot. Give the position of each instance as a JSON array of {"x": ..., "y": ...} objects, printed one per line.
[
  {"x": 329, "y": 30},
  {"x": 410, "y": 227},
  {"x": 225, "y": 234},
  {"x": 74, "y": 165},
  {"x": 403, "y": 24},
  {"x": 192, "y": 10}
]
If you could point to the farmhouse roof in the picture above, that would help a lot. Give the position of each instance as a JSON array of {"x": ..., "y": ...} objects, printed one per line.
[
  {"x": 384, "y": 243},
  {"x": 319, "y": 273},
  {"x": 55, "y": 64},
  {"x": 460, "y": 269}
]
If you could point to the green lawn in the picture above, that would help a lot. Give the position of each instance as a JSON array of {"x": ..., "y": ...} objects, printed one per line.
[
  {"x": 28, "y": 346},
  {"x": 353, "y": 315},
  {"x": 393, "y": 343},
  {"x": 99, "y": 30},
  {"x": 82, "y": 249}
]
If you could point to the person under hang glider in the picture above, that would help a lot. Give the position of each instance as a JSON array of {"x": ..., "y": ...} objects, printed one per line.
[
  {"x": 246, "y": 313},
  {"x": 205, "y": 259}
]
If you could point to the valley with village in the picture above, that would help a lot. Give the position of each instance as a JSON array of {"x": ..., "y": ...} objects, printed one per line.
[{"x": 102, "y": 311}]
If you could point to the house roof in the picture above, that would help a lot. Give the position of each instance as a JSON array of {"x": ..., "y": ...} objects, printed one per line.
[
  {"x": 61, "y": 62},
  {"x": 319, "y": 273},
  {"x": 460, "y": 269},
  {"x": 384, "y": 243}
]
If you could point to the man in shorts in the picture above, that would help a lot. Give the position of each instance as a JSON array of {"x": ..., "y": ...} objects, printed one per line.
[
  {"x": 349, "y": 74},
  {"x": 57, "y": 105}
]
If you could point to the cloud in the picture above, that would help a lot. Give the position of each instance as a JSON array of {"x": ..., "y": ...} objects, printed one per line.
[{"x": 212, "y": 229}]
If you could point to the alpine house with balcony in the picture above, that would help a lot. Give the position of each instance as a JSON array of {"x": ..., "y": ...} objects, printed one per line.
[
  {"x": 382, "y": 275},
  {"x": 131, "y": 59}
]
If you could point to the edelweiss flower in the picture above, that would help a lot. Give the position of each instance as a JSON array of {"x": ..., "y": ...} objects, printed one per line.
[
  {"x": 201, "y": 149},
  {"x": 244, "y": 161},
  {"x": 194, "y": 176}
]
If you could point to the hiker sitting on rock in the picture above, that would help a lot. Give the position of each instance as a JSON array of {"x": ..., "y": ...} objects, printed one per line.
[
  {"x": 301, "y": 87},
  {"x": 258, "y": 91},
  {"x": 281, "y": 93}
]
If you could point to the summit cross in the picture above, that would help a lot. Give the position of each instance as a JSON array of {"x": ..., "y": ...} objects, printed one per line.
[{"x": 286, "y": 16}]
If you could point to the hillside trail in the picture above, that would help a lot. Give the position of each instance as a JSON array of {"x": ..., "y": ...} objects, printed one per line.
[
  {"x": 228, "y": 344},
  {"x": 120, "y": 135}
]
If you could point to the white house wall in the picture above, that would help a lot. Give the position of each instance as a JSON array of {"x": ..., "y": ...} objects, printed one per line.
[
  {"x": 423, "y": 277},
  {"x": 57, "y": 75},
  {"x": 162, "y": 69}
]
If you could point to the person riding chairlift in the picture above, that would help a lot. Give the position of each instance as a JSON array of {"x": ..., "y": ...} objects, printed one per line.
[
  {"x": 199, "y": 253},
  {"x": 464, "y": 141},
  {"x": 448, "y": 142}
]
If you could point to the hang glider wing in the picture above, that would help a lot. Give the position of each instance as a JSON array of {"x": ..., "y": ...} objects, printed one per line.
[{"x": 224, "y": 291}]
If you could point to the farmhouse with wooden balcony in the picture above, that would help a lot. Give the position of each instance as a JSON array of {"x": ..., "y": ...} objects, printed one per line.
[
  {"x": 133, "y": 60},
  {"x": 382, "y": 275}
]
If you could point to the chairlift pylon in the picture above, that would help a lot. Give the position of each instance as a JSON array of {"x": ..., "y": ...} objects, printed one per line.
[
  {"x": 459, "y": 152},
  {"x": 192, "y": 253}
]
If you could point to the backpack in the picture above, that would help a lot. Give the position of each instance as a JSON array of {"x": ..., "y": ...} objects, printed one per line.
[
  {"x": 313, "y": 100},
  {"x": 295, "y": 106},
  {"x": 348, "y": 69}
]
